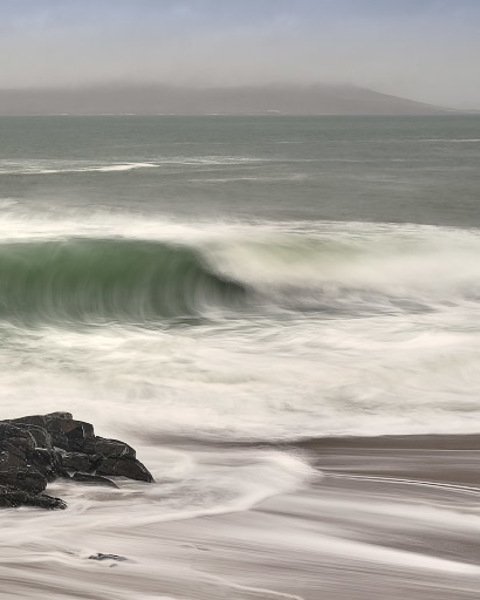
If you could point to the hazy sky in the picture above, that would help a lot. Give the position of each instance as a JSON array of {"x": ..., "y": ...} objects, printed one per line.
[{"x": 427, "y": 50}]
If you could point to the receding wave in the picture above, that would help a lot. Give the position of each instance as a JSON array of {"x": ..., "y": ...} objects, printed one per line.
[{"x": 108, "y": 279}]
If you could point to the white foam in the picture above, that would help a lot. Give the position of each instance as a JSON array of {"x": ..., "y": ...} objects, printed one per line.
[
  {"x": 100, "y": 169},
  {"x": 453, "y": 140},
  {"x": 51, "y": 167},
  {"x": 401, "y": 355},
  {"x": 7, "y": 202}
]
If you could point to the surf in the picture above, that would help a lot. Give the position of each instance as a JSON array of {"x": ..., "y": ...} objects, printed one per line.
[
  {"x": 154, "y": 271},
  {"x": 108, "y": 279}
]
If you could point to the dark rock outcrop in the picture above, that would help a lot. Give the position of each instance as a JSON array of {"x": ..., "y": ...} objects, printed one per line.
[
  {"x": 12, "y": 498},
  {"x": 27, "y": 480},
  {"x": 110, "y": 448},
  {"x": 125, "y": 467},
  {"x": 94, "y": 480},
  {"x": 37, "y": 449},
  {"x": 77, "y": 461}
]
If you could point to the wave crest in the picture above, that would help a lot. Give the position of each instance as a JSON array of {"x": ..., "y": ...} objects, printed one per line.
[
  {"x": 108, "y": 279},
  {"x": 329, "y": 272}
]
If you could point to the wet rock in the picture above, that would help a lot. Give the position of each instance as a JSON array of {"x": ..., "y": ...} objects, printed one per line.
[
  {"x": 125, "y": 467},
  {"x": 15, "y": 440},
  {"x": 48, "y": 502},
  {"x": 46, "y": 462},
  {"x": 37, "y": 449},
  {"x": 77, "y": 461},
  {"x": 9, "y": 460},
  {"x": 30, "y": 481},
  {"x": 65, "y": 416},
  {"x": 68, "y": 433},
  {"x": 108, "y": 448},
  {"x": 43, "y": 420},
  {"x": 40, "y": 435},
  {"x": 60, "y": 428},
  {"x": 93, "y": 480},
  {"x": 37, "y": 420},
  {"x": 10, "y": 498},
  {"x": 102, "y": 556}
]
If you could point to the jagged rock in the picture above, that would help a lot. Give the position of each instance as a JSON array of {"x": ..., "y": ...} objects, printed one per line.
[
  {"x": 65, "y": 416},
  {"x": 125, "y": 467},
  {"x": 9, "y": 460},
  {"x": 37, "y": 449},
  {"x": 64, "y": 431},
  {"x": 77, "y": 461},
  {"x": 26, "y": 480},
  {"x": 10, "y": 498},
  {"x": 94, "y": 480},
  {"x": 40, "y": 435},
  {"x": 48, "y": 502},
  {"x": 68, "y": 433},
  {"x": 108, "y": 448},
  {"x": 37, "y": 420},
  {"x": 46, "y": 462},
  {"x": 15, "y": 441},
  {"x": 42, "y": 420}
]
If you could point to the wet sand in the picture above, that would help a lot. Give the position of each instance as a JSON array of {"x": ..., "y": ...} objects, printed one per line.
[
  {"x": 382, "y": 518},
  {"x": 388, "y": 517},
  {"x": 453, "y": 459}
]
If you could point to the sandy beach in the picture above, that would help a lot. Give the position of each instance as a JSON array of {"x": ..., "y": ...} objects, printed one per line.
[
  {"x": 388, "y": 516},
  {"x": 380, "y": 518}
]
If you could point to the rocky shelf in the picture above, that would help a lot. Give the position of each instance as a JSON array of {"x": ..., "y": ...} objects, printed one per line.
[{"x": 38, "y": 449}]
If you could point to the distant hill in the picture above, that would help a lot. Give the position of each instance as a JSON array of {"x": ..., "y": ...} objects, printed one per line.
[{"x": 254, "y": 100}]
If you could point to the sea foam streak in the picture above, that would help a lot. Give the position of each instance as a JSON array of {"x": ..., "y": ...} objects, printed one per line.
[{"x": 52, "y": 167}]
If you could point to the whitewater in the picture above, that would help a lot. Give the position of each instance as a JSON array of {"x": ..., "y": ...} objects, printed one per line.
[{"x": 283, "y": 331}]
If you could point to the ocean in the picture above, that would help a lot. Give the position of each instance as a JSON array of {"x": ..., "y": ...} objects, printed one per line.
[{"x": 228, "y": 294}]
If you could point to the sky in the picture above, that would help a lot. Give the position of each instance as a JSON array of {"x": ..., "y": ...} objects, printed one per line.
[{"x": 426, "y": 50}]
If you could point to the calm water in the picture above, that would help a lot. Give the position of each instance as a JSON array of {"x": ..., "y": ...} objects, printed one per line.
[
  {"x": 184, "y": 282},
  {"x": 422, "y": 170}
]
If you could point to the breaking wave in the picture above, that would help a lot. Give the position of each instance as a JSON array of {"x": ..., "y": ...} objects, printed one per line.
[
  {"x": 351, "y": 273},
  {"x": 108, "y": 279}
]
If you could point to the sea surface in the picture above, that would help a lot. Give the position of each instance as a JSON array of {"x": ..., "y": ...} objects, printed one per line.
[{"x": 216, "y": 291}]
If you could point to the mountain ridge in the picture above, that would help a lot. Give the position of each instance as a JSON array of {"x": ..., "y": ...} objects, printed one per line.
[{"x": 319, "y": 99}]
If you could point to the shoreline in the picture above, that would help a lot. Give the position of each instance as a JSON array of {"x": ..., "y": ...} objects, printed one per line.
[
  {"x": 441, "y": 441},
  {"x": 387, "y": 516},
  {"x": 451, "y": 459}
]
